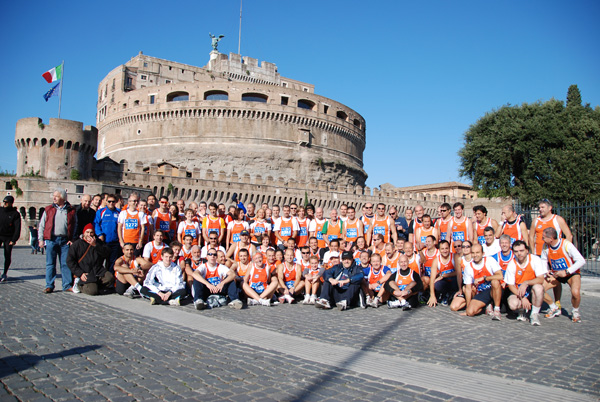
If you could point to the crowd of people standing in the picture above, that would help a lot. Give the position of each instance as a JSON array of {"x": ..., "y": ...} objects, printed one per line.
[{"x": 271, "y": 254}]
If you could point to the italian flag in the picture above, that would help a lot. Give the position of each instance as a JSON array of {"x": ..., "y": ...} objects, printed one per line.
[{"x": 54, "y": 74}]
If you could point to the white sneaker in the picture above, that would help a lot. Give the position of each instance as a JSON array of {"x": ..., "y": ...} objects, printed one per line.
[
  {"x": 174, "y": 302},
  {"x": 313, "y": 299},
  {"x": 265, "y": 302},
  {"x": 236, "y": 304},
  {"x": 289, "y": 299},
  {"x": 130, "y": 292},
  {"x": 489, "y": 310},
  {"x": 306, "y": 299},
  {"x": 394, "y": 304},
  {"x": 521, "y": 315},
  {"x": 342, "y": 305},
  {"x": 322, "y": 304},
  {"x": 368, "y": 300},
  {"x": 535, "y": 320},
  {"x": 76, "y": 285},
  {"x": 253, "y": 302}
]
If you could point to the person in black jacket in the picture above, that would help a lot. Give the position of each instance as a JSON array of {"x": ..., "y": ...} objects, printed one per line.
[
  {"x": 87, "y": 260},
  {"x": 85, "y": 215},
  {"x": 10, "y": 230},
  {"x": 341, "y": 284}
]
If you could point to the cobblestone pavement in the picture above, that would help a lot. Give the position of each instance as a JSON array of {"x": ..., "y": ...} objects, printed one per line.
[{"x": 74, "y": 347}]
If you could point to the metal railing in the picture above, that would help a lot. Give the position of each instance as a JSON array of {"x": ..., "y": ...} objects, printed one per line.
[{"x": 583, "y": 219}]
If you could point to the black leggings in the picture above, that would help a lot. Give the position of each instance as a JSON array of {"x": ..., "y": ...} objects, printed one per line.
[{"x": 7, "y": 253}]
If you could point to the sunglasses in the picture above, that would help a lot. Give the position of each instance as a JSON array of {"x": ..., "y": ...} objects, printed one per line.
[
  {"x": 212, "y": 254},
  {"x": 110, "y": 201}
]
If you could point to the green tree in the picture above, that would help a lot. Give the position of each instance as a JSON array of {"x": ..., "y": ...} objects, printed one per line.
[
  {"x": 534, "y": 151},
  {"x": 573, "y": 96}
]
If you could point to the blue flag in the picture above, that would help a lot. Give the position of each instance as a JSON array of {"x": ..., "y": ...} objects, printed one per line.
[{"x": 52, "y": 92}]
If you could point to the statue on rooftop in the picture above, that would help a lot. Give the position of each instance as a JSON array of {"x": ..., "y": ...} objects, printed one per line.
[{"x": 215, "y": 40}]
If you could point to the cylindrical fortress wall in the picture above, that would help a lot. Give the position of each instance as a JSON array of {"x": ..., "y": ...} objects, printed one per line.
[
  {"x": 54, "y": 150},
  {"x": 283, "y": 132}
]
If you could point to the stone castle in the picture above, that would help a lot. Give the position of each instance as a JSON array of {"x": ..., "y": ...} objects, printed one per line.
[{"x": 203, "y": 133}]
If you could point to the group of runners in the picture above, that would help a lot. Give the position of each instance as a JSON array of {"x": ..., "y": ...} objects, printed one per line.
[{"x": 251, "y": 255}]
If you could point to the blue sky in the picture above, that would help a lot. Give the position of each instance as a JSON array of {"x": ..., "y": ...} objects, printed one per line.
[{"x": 419, "y": 72}]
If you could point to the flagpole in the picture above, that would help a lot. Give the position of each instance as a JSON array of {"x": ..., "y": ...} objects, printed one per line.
[
  {"x": 240, "y": 36},
  {"x": 62, "y": 78}
]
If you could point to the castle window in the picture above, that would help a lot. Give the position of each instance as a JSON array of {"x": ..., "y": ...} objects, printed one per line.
[
  {"x": 79, "y": 189},
  {"x": 167, "y": 81},
  {"x": 136, "y": 103},
  {"x": 216, "y": 95},
  {"x": 357, "y": 123},
  {"x": 254, "y": 97},
  {"x": 325, "y": 108},
  {"x": 284, "y": 84},
  {"x": 144, "y": 77},
  {"x": 152, "y": 99},
  {"x": 124, "y": 105},
  {"x": 306, "y": 104},
  {"x": 178, "y": 96},
  {"x": 284, "y": 100},
  {"x": 305, "y": 89},
  {"x": 145, "y": 64},
  {"x": 341, "y": 115}
]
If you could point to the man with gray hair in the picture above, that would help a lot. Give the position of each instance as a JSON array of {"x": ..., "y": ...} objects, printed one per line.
[{"x": 57, "y": 227}]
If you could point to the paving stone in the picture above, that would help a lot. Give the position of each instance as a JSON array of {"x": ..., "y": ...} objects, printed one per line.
[{"x": 127, "y": 357}]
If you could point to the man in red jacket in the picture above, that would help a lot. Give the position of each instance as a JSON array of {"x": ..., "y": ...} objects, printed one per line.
[{"x": 57, "y": 227}]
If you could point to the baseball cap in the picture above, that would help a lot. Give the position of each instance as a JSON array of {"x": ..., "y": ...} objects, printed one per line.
[
  {"x": 244, "y": 233},
  {"x": 9, "y": 198},
  {"x": 347, "y": 255}
]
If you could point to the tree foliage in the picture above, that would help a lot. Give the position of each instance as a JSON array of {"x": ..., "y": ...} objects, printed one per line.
[{"x": 534, "y": 151}]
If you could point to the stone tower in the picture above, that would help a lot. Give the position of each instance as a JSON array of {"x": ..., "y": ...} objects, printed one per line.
[{"x": 56, "y": 149}]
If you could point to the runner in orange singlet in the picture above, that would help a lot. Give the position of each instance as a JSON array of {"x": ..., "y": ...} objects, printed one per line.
[
  {"x": 303, "y": 224},
  {"x": 316, "y": 228},
  {"x": 547, "y": 220},
  {"x": 460, "y": 228},
  {"x": 513, "y": 225},
  {"x": 442, "y": 223},
  {"x": 481, "y": 222}
]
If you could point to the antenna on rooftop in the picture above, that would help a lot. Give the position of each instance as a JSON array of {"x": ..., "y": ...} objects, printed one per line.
[{"x": 240, "y": 36}]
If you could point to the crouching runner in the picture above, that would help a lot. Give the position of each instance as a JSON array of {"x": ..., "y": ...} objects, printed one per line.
[
  {"x": 341, "y": 284},
  {"x": 214, "y": 279},
  {"x": 404, "y": 286}
]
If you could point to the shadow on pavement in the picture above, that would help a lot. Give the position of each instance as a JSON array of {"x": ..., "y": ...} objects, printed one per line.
[
  {"x": 14, "y": 364},
  {"x": 330, "y": 376}
]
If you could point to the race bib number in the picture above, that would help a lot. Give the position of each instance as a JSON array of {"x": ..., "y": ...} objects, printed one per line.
[
  {"x": 319, "y": 236},
  {"x": 456, "y": 236},
  {"x": 236, "y": 237},
  {"x": 258, "y": 287},
  {"x": 379, "y": 230},
  {"x": 443, "y": 236},
  {"x": 215, "y": 280},
  {"x": 559, "y": 264},
  {"x": 351, "y": 233},
  {"x": 131, "y": 223},
  {"x": 332, "y": 237},
  {"x": 483, "y": 286},
  {"x": 190, "y": 232},
  {"x": 289, "y": 284},
  {"x": 164, "y": 225},
  {"x": 259, "y": 230},
  {"x": 367, "y": 228},
  {"x": 286, "y": 231},
  {"x": 303, "y": 231},
  {"x": 213, "y": 230},
  {"x": 481, "y": 240}
]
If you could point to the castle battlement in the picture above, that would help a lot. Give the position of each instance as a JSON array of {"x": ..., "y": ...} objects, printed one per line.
[{"x": 55, "y": 149}]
